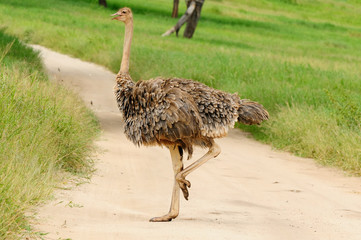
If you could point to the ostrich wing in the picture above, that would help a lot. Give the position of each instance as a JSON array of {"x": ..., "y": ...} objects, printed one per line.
[{"x": 156, "y": 112}]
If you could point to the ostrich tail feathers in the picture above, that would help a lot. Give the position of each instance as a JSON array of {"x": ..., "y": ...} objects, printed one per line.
[{"x": 250, "y": 112}]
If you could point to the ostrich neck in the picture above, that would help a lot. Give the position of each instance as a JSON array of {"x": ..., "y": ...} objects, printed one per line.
[
  {"x": 125, "y": 83},
  {"x": 124, "y": 66}
]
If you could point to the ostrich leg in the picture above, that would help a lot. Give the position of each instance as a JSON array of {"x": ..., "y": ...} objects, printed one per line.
[
  {"x": 214, "y": 151},
  {"x": 174, "y": 206}
]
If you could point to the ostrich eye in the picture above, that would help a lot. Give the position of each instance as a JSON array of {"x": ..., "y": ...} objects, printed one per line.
[{"x": 124, "y": 12}]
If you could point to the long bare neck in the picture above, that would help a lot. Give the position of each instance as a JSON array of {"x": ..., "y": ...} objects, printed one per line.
[{"x": 124, "y": 66}]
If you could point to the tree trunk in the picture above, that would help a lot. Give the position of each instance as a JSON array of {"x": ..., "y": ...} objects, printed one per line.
[
  {"x": 103, "y": 3},
  {"x": 193, "y": 19},
  {"x": 182, "y": 20},
  {"x": 175, "y": 8}
]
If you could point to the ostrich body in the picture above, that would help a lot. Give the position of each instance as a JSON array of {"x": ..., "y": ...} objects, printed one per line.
[{"x": 177, "y": 113}]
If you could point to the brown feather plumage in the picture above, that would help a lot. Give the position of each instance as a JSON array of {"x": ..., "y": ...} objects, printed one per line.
[{"x": 168, "y": 111}]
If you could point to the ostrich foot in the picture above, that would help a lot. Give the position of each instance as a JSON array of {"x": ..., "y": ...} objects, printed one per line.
[
  {"x": 166, "y": 218},
  {"x": 184, "y": 185}
]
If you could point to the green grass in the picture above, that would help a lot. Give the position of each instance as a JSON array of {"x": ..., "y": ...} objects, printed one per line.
[
  {"x": 44, "y": 130},
  {"x": 299, "y": 58}
]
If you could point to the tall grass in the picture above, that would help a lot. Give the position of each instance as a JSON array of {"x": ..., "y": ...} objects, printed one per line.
[
  {"x": 44, "y": 129},
  {"x": 299, "y": 58},
  {"x": 312, "y": 132}
]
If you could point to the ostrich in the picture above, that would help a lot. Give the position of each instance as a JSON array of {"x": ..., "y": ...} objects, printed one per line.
[{"x": 178, "y": 114}]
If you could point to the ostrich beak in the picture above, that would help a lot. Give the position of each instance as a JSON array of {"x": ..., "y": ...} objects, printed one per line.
[{"x": 115, "y": 15}]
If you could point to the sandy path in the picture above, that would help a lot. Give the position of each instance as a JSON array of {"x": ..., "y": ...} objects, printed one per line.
[{"x": 249, "y": 192}]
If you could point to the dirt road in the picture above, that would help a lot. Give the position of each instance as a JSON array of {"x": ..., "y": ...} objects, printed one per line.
[{"x": 248, "y": 192}]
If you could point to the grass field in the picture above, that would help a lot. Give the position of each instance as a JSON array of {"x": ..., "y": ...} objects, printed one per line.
[
  {"x": 44, "y": 130},
  {"x": 299, "y": 58}
]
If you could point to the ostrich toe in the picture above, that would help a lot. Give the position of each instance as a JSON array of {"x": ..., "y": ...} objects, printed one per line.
[
  {"x": 166, "y": 218},
  {"x": 184, "y": 185}
]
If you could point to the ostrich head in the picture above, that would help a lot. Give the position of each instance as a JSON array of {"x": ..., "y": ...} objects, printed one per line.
[{"x": 124, "y": 14}]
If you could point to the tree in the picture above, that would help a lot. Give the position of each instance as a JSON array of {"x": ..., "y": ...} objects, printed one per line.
[
  {"x": 191, "y": 16},
  {"x": 193, "y": 19},
  {"x": 175, "y": 8},
  {"x": 103, "y": 3}
]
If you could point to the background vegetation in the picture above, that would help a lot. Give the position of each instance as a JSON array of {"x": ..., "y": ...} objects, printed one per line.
[
  {"x": 300, "y": 58},
  {"x": 44, "y": 129}
]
